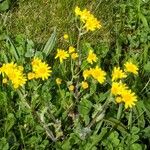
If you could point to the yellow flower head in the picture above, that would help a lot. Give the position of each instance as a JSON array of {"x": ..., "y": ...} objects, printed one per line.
[
  {"x": 71, "y": 88},
  {"x": 77, "y": 11},
  {"x": 91, "y": 57},
  {"x": 118, "y": 88},
  {"x": 14, "y": 74},
  {"x": 129, "y": 98},
  {"x": 31, "y": 75},
  {"x": 86, "y": 73},
  {"x": 98, "y": 74},
  {"x": 66, "y": 36},
  {"x": 4, "y": 81},
  {"x": 61, "y": 54},
  {"x": 40, "y": 69},
  {"x": 119, "y": 99},
  {"x": 90, "y": 22},
  {"x": 118, "y": 74},
  {"x": 71, "y": 49},
  {"x": 74, "y": 56},
  {"x": 130, "y": 67},
  {"x": 84, "y": 85},
  {"x": 58, "y": 81}
]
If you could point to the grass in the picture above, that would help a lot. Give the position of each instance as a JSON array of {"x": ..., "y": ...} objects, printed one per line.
[{"x": 36, "y": 19}]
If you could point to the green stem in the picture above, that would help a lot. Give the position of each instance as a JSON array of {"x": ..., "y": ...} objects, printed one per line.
[
  {"x": 100, "y": 112},
  {"x": 119, "y": 113},
  {"x": 130, "y": 120}
]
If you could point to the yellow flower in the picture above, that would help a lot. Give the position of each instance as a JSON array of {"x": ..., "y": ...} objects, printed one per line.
[
  {"x": 86, "y": 73},
  {"x": 130, "y": 67},
  {"x": 118, "y": 88},
  {"x": 118, "y": 74},
  {"x": 119, "y": 99},
  {"x": 14, "y": 74},
  {"x": 31, "y": 75},
  {"x": 90, "y": 22},
  {"x": 98, "y": 74},
  {"x": 129, "y": 98},
  {"x": 84, "y": 85},
  {"x": 74, "y": 55},
  {"x": 71, "y": 49},
  {"x": 61, "y": 54},
  {"x": 91, "y": 57},
  {"x": 4, "y": 81},
  {"x": 71, "y": 88},
  {"x": 77, "y": 11},
  {"x": 58, "y": 81},
  {"x": 40, "y": 69},
  {"x": 66, "y": 36}
]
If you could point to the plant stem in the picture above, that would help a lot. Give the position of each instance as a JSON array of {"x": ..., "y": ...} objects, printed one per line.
[
  {"x": 100, "y": 112},
  {"x": 119, "y": 113},
  {"x": 78, "y": 66},
  {"x": 130, "y": 120}
]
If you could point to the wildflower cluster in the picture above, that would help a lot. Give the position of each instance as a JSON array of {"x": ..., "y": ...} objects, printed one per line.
[
  {"x": 40, "y": 70},
  {"x": 90, "y": 22},
  {"x": 120, "y": 90},
  {"x": 14, "y": 73}
]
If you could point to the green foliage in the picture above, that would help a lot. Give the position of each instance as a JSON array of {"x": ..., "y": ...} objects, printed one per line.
[{"x": 45, "y": 115}]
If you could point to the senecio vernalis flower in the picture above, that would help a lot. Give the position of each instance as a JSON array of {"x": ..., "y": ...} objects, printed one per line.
[
  {"x": 130, "y": 67},
  {"x": 98, "y": 74},
  {"x": 14, "y": 73},
  {"x": 123, "y": 94},
  {"x": 91, "y": 57},
  {"x": 118, "y": 74},
  {"x": 84, "y": 85},
  {"x": 90, "y": 22},
  {"x": 58, "y": 81},
  {"x": 61, "y": 54},
  {"x": 40, "y": 70},
  {"x": 71, "y": 49}
]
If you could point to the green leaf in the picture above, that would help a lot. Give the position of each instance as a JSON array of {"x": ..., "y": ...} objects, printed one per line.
[
  {"x": 136, "y": 146},
  {"x": 3, "y": 144},
  {"x": 50, "y": 44},
  {"x": 135, "y": 130},
  {"x": 84, "y": 109},
  {"x": 147, "y": 67},
  {"x": 4, "y": 5},
  {"x": 10, "y": 121}
]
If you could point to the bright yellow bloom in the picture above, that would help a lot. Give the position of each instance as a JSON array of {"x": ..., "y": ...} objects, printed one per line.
[
  {"x": 118, "y": 88},
  {"x": 118, "y": 99},
  {"x": 91, "y": 57},
  {"x": 4, "y": 81},
  {"x": 40, "y": 69},
  {"x": 58, "y": 81},
  {"x": 129, "y": 98},
  {"x": 71, "y": 49},
  {"x": 14, "y": 74},
  {"x": 71, "y": 88},
  {"x": 31, "y": 75},
  {"x": 74, "y": 55},
  {"x": 84, "y": 85},
  {"x": 66, "y": 36},
  {"x": 86, "y": 73},
  {"x": 61, "y": 54},
  {"x": 77, "y": 11},
  {"x": 130, "y": 67},
  {"x": 98, "y": 74},
  {"x": 90, "y": 22},
  {"x": 118, "y": 74}
]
